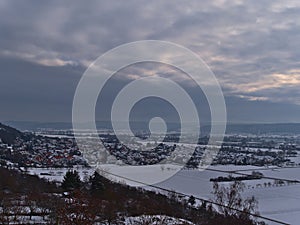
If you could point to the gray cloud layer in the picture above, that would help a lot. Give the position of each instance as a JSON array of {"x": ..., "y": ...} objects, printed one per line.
[{"x": 253, "y": 48}]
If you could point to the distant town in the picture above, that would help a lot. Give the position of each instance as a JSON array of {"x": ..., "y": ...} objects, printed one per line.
[{"x": 58, "y": 148}]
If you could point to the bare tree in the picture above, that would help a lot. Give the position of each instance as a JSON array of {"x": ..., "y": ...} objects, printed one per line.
[{"x": 229, "y": 199}]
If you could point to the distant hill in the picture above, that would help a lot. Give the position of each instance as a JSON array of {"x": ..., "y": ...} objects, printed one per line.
[
  {"x": 258, "y": 128},
  {"x": 34, "y": 126},
  {"x": 254, "y": 128},
  {"x": 276, "y": 128},
  {"x": 9, "y": 134}
]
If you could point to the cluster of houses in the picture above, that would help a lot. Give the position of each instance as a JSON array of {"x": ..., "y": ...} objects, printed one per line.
[
  {"x": 43, "y": 151},
  {"x": 138, "y": 157},
  {"x": 239, "y": 157}
]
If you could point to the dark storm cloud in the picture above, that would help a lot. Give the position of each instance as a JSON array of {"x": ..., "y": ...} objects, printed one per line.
[
  {"x": 30, "y": 91},
  {"x": 253, "y": 48}
]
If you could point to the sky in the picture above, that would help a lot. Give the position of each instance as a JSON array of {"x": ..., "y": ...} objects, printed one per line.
[{"x": 252, "y": 47}]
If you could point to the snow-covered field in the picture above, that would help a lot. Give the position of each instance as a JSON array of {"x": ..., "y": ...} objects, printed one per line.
[
  {"x": 57, "y": 174},
  {"x": 281, "y": 202},
  {"x": 276, "y": 202}
]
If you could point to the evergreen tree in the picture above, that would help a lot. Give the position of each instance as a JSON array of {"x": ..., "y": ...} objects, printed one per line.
[
  {"x": 71, "y": 180},
  {"x": 97, "y": 185}
]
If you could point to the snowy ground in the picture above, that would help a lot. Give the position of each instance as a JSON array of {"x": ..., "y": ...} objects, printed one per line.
[
  {"x": 57, "y": 174},
  {"x": 155, "y": 220},
  {"x": 275, "y": 201}
]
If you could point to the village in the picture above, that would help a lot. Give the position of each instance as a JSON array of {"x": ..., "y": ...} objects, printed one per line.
[{"x": 62, "y": 151}]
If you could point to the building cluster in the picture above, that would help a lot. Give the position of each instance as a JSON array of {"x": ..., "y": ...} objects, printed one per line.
[
  {"x": 43, "y": 151},
  {"x": 38, "y": 151}
]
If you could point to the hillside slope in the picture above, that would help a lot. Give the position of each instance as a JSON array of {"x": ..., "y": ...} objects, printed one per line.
[{"x": 8, "y": 134}]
